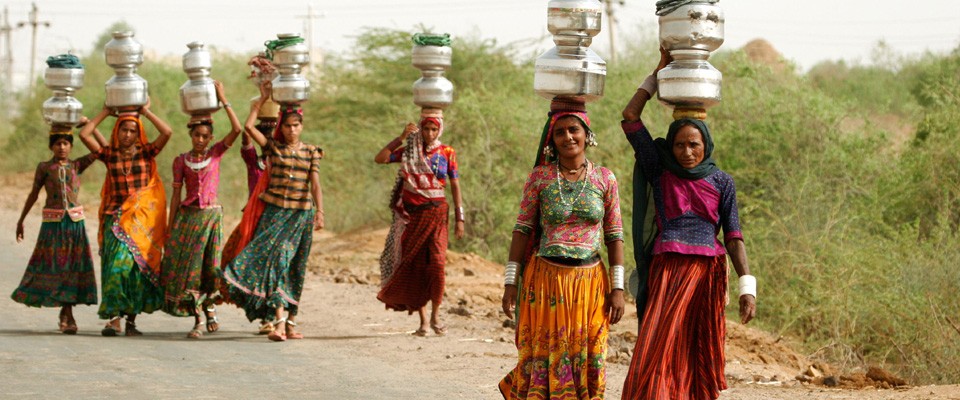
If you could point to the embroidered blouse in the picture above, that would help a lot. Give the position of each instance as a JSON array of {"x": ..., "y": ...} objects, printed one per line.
[
  {"x": 129, "y": 175},
  {"x": 689, "y": 213},
  {"x": 575, "y": 216},
  {"x": 254, "y": 164},
  {"x": 202, "y": 182},
  {"x": 62, "y": 188},
  {"x": 290, "y": 170},
  {"x": 442, "y": 161}
]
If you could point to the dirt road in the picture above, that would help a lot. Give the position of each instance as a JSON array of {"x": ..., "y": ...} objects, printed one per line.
[{"x": 354, "y": 349}]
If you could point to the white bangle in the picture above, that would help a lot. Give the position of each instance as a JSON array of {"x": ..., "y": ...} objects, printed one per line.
[
  {"x": 649, "y": 85},
  {"x": 748, "y": 285},
  {"x": 616, "y": 277},
  {"x": 510, "y": 273}
]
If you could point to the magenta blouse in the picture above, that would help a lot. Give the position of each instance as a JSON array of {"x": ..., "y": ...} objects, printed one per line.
[{"x": 202, "y": 177}]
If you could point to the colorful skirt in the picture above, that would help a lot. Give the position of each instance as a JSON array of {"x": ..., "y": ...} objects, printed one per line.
[
  {"x": 679, "y": 351},
  {"x": 561, "y": 333},
  {"x": 126, "y": 290},
  {"x": 60, "y": 271},
  {"x": 191, "y": 260},
  {"x": 270, "y": 271},
  {"x": 419, "y": 275}
]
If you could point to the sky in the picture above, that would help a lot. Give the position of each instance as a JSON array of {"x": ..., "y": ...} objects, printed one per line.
[{"x": 804, "y": 31}]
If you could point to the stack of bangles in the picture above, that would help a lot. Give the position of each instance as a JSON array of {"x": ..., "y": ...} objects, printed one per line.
[
  {"x": 748, "y": 285},
  {"x": 510, "y": 275},
  {"x": 459, "y": 214}
]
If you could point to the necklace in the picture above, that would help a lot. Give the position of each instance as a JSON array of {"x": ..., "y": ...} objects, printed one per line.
[
  {"x": 197, "y": 165},
  {"x": 127, "y": 155},
  {"x": 571, "y": 170},
  {"x": 582, "y": 185},
  {"x": 62, "y": 175}
]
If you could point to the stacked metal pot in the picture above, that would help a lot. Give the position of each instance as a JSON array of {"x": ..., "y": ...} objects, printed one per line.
[
  {"x": 571, "y": 69},
  {"x": 291, "y": 87},
  {"x": 126, "y": 90},
  {"x": 690, "y": 33},
  {"x": 433, "y": 89},
  {"x": 63, "y": 111},
  {"x": 198, "y": 96}
]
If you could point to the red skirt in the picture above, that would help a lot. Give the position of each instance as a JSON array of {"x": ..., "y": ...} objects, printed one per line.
[
  {"x": 419, "y": 276},
  {"x": 679, "y": 351}
]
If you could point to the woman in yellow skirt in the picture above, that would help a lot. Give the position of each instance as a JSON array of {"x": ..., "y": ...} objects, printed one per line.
[{"x": 564, "y": 296}]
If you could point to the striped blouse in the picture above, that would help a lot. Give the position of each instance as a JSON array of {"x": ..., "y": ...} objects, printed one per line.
[{"x": 290, "y": 169}]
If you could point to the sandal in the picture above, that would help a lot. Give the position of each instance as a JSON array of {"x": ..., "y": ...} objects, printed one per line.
[
  {"x": 265, "y": 327},
  {"x": 195, "y": 333},
  {"x": 132, "y": 329},
  {"x": 278, "y": 335},
  {"x": 213, "y": 324},
  {"x": 112, "y": 328},
  {"x": 64, "y": 322},
  {"x": 291, "y": 331},
  {"x": 440, "y": 330},
  {"x": 420, "y": 332},
  {"x": 71, "y": 328}
]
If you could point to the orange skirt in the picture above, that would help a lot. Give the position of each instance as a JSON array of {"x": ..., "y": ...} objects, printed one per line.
[
  {"x": 561, "y": 333},
  {"x": 679, "y": 352}
]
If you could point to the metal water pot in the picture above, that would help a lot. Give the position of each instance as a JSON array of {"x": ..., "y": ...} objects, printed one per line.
[
  {"x": 689, "y": 81},
  {"x": 198, "y": 96},
  {"x": 126, "y": 89},
  {"x": 694, "y": 26},
  {"x": 578, "y": 18},
  {"x": 573, "y": 72},
  {"x": 62, "y": 109},
  {"x": 426, "y": 58},
  {"x": 291, "y": 87},
  {"x": 296, "y": 54},
  {"x": 123, "y": 51},
  {"x": 63, "y": 78},
  {"x": 433, "y": 90}
]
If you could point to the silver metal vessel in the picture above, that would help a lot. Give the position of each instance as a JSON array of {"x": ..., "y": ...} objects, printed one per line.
[
  {"x": 689, "y": 81},
  {"x": 694, "y": 26},
  {"x": 62, "y": 109},
  {"x": 571, "y": 69},
  {"x": 126, "y": 89},
  {"x": 291, "y": 87},
  {"x": 198, "y": 96},
  {"x": 63, "y": 78}
]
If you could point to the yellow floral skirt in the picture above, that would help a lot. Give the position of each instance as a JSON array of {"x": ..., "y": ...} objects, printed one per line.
[{"x": 561, "y": 333}]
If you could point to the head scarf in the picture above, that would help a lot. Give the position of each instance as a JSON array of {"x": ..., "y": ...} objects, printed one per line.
[
  {"x": 142, "y": 219},
  {"x": 644, "y": 221},
  {"x": 559, "y": 108}
]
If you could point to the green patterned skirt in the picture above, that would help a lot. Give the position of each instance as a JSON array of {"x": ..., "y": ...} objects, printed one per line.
[
  {"x": 60, "y": 271},
  {"x": 126, "y": 291},
  {"x": 270, "y": 270},
  {"x": 191, "y": 260}
]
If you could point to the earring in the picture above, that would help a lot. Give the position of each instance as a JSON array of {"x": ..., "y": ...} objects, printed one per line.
[
  {"x": 547, "y": 151},
  {"x": 592, "y": 140}
]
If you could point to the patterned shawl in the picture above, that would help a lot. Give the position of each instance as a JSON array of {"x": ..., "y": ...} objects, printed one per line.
[{"x": 142, "y": 220}]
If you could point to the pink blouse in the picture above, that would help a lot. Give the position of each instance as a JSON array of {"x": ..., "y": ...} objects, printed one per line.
[{"x": 202, "y": 177}]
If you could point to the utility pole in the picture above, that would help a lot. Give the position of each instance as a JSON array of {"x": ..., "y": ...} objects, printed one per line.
[
  {"x": 33, "y": 22},
  {"x": 308, "y": 31},
  {"x": 612, "y": 27},
  {"x": 6, "y": 59}
]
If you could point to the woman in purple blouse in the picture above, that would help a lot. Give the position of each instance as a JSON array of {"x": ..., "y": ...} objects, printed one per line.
[
  {"x": 679, "y": 350},
  {"x": 191, "y": 262}
]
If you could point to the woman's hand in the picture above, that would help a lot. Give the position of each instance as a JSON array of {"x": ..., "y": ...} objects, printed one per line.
[
  {"x": 407, "y": 130},
  {"x": 318, "y": 221},
  {"x": 458, "y": 230},
  {"x": 19, "y": 231},
  {"x": 266, "y": 90},
  {"x": 748, "y": 308},
  {"x": 665, "y": 58},
  {"x": 615, "y": 305},
  {"x": 509, "y": 300},
  {"x": 220, "y": 96},
  {"x": 146, "y": 107}
]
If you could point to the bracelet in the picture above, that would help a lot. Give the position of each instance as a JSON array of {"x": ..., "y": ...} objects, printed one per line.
[
  {"x": 649, "y": 85},
  {"x": 510, "y": 273},
  {"x": 616, "y": 277},
  {"x": 458, "y": 214},
  {"x": 748, "y": 285},
  {"x": 394, "y": 144},
  {"x": 226, "y": 104}
]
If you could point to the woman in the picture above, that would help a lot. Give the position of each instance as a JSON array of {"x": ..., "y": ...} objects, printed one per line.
[
  {"x": 60, "y": 271},
  {"x": 679, "y": 350},
  {"x": 413, "y": 260},
  {"x": 563, "y": 297},
  {"x": 132, "y": 218},
  {"x": 191, "y": 262},
  {"x": 274, "y": 237}
]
